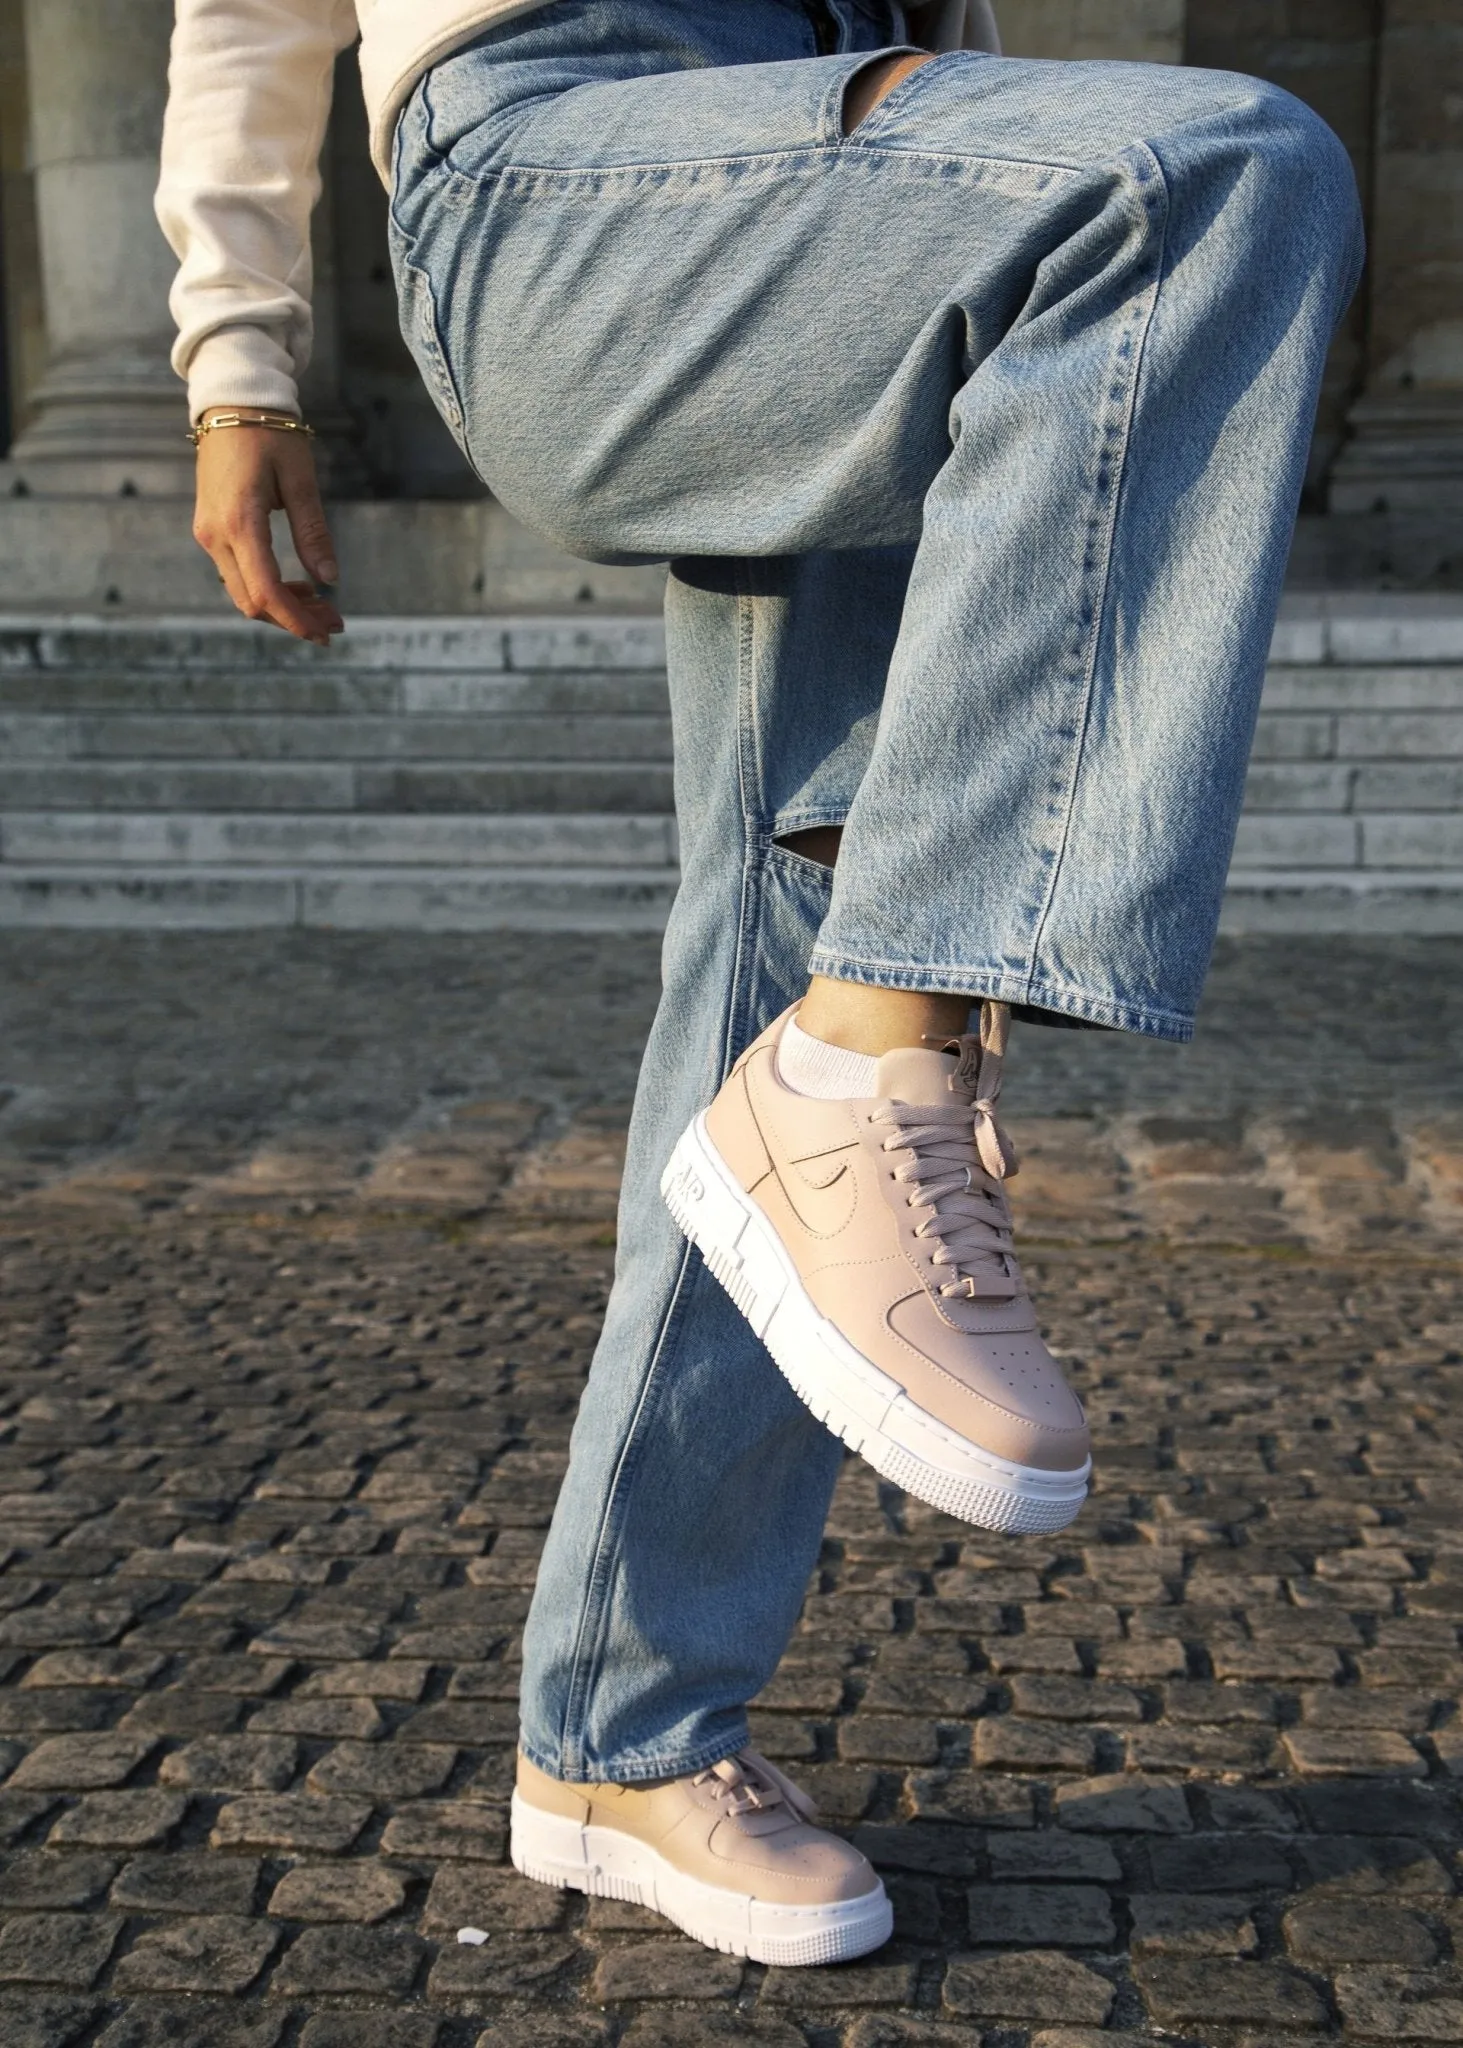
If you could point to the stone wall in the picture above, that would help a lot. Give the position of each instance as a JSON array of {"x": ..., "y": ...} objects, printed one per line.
[
  {"x": 1141, "y": 31},
  {"x": 1325, "y": 52}
]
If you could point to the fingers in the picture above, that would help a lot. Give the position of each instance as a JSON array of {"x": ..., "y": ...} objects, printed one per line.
[
  {"x": 306, "y": 514},
  {"x": 269, "y": 596},
  {"x": 242, "y": 476}
]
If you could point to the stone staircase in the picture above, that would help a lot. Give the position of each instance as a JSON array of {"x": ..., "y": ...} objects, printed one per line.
[{"x": 480, "y": 773}]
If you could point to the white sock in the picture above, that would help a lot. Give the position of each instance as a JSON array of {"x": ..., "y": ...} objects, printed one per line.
[{"x": 810, "y": 1066}]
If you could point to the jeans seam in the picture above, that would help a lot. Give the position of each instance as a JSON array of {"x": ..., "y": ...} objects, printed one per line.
[
  {"x": 594, "y": 1613},
  {"x": 1134, "y": 337},
  {"x": 749, "y": 791}
]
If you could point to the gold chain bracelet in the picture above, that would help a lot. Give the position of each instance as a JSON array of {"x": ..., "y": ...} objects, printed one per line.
[{"x": 281, "y": 422}]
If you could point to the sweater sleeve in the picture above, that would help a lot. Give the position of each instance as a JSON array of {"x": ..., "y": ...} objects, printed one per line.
[{"x": 249, "y": 87}]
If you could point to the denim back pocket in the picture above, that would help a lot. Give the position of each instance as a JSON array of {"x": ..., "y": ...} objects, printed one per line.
[{"x": 417, "y": 303}]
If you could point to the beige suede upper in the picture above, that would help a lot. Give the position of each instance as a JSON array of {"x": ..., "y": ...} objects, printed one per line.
[
  {"x": 956, "y": 1328},
  {"x": 741, "y": 1825}
]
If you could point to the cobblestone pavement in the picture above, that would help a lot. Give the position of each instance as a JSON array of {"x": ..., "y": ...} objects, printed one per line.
[{"x": 287, "y": 1365}]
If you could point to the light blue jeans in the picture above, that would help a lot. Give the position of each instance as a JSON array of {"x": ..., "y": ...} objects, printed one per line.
[{"x": 974, "y": 440}]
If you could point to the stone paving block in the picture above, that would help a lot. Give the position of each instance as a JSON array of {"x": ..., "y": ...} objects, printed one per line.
[
  {"x": 887, "y": 1738},
  {"x": 187, "y": 1881},
  {"x": 120, "y": 1820},
  {"x": 323, "y": 1720},
  {"x": 377, "y": 1962},
  {"x": 299, "y": 1824},
  {"x": 496, "y": 1899},
  {"x": 317, "y": 1638},
  {"x": 42, "y": 1878},
  {"x": 1325, "y": 1933},
  {"x": 81, "y": 1763},
  {"x": 448, "y": 1828},
  {"x": 1378, "y": 1806},
  {"x": 1091, "y": 2037},
  {"x": 987, "y": 1801},
  {"x": 870, "y": 1980},
  {"x": 57, "y": 1949},
  {"x": 1181, "y": 1992},
  {"x": 1124, "y": 1805},
  {"x": 372, "y": 2030},
  {"x": 1041, "y": 1915},
  {"x": 700, "y": 2029},
  {"x": 1197, "y": 1924},
  {"x": 1004, "y": 1743},
  {"x": 110, "y": 1667},
  {"x": 665, "y": 1969},
  {"x": 181, "y": 1714},
  {"x": 219, "y": 1952},
  {"x": 1037, "y": 1986},
  {"x": 527, "y": 1966},
  {"x": 232, "y": 1763},
  {"x": 1401, "y": 2005},
  {"x": 397, "y": 1679},
  {"x": 204, "y": 2025},
  {"x": 356, "y": 1889},
  {"x": 19, "y": 1812},
  {"x": 1052, "y": 1853},
  {"x": 385, "y": 1773},
  {"x": 1218, "y": 1863},
  {"x": 27, "y": 2021},
  {"x": 1073, "y": 1699},
  {"x": 1373, "y": 1752},
  {"x": 1369, "y": 1865},
  {"x": 925, "y": 1851}
]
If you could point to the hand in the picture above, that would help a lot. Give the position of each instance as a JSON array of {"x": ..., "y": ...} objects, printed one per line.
[{"x": 244, "y": 474}]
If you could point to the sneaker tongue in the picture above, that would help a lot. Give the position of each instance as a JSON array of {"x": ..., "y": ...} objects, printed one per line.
[{"x": 912, "y": 1074}]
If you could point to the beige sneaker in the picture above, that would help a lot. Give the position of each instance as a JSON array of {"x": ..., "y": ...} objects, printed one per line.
[
  {"x": 730, "y": 1855},
  {"x": 869, "y": 1245}
]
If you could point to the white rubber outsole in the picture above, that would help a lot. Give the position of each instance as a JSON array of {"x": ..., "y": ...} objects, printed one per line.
[
  {"x": 870, "y": 1411},
  {"x": 610, "y": 1865}
]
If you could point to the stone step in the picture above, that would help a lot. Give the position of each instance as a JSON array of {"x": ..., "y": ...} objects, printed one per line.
[
  {"x": 1420, "y": 901},
  {"x": 334, "y": 693},
  {"x": 474, "y": 645},
  {"x": 174, "y": 736},
  {"x": 309, "y": 839},
  {"x": 533, "y": 786},
  {"x": 597, "y": 898},
  {"x": 472, "y": 772}
]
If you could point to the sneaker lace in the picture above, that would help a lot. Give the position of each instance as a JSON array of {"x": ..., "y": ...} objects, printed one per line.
[
  {"x": 746, "y": 1783},
  {"x": 958, "y": 1160}
]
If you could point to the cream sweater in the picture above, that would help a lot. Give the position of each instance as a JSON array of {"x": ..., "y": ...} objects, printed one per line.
[{"x": 249, "y": 95}]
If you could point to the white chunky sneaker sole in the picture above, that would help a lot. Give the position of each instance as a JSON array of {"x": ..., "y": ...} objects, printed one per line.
[
  {"x": 610, "y": 1865},
  {"x": 865, "y": 1407}
]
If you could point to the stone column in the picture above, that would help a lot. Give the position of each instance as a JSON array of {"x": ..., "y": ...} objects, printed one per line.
[
  {"x": 1405, "y": 456},
  {"x": 109, "y": 414}
]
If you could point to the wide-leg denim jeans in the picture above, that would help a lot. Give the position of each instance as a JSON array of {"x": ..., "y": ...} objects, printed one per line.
[{"x": 974, "y": 440}]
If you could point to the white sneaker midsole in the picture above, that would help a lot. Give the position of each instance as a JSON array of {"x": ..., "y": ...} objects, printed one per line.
[
  {"x": 861, "y": 1404},
  {"x": 610, "y": 1864}
]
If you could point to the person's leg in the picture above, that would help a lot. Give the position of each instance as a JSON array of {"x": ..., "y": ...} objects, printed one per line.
[
  {"x": 1064, "y": 327},
  {"x": 639, "y": 342},
  {"x": 699, "y": 1483}
]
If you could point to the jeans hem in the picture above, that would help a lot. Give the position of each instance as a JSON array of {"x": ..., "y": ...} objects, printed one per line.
[
  {"x": 1003, "y": 987},
  {"x": 642, "y": 1770}
]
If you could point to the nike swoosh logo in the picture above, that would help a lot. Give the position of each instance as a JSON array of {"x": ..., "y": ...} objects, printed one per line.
[{"x": 823, "y": 1201}]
